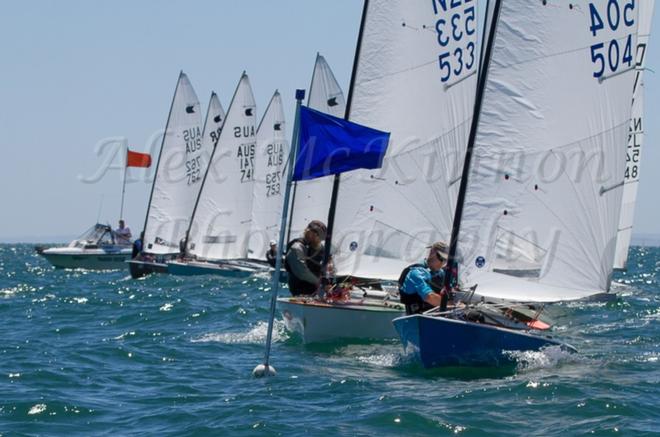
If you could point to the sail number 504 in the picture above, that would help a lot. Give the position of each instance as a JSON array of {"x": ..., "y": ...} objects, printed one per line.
[{"x": 609, "y": 55}]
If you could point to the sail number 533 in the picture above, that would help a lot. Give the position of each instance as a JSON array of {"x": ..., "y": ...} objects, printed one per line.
[{"x": 457, "y": 25}]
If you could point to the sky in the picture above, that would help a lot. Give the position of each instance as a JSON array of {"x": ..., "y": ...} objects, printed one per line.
[{"x": 81, "y": 78}]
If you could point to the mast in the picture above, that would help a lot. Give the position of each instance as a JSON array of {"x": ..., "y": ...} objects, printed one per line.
[
  {"x": 349, "y": 100},
  {"x": 458, "y": 213},
  {"x": 160, "y": 152}
]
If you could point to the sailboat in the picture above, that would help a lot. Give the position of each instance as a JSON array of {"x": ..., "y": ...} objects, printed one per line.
[
  {"x": 385, "y": 219},
  {"x": 540, "y": 195},
  {"x": 227, "y": 235},
  {"x": 180, "y": 165},
  {"x": 635, "y": 138}
]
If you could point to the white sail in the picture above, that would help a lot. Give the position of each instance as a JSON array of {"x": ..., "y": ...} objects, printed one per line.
[
  {"x": 215, "y": 118},
  {"x": 223, "y": 214},
  {"x": 311, "y": 198},
  {"x": 635, "y": 138},
  {"x": 544, "y": 187},
  {"x": 416, "y": 78},
  {"x": 178, "y": 176},
  {"x": 272, "y": 150}
]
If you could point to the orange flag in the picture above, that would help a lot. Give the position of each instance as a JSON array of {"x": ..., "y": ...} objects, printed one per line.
[{"x": 135, "y": 159}]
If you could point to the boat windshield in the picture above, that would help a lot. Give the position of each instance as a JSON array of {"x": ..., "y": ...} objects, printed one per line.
[{"x": 97, "y": 235}]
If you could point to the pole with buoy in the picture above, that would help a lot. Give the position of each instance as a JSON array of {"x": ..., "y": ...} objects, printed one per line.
[{"x": 266, "y": 369}]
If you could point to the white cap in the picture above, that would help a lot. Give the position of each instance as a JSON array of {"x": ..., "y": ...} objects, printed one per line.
[{"x": 273, "y": 243}]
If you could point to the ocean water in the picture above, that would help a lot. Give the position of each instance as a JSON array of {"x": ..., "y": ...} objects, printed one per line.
[{"x": 98, "y": 353}]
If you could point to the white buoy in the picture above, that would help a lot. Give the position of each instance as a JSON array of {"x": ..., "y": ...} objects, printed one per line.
[{"x": 264, "y": 370}]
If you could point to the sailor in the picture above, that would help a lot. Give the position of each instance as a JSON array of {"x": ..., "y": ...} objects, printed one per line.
[
  {"x": 304, "y": 259},
  {"x": 122, "y": 234},
  {"x": 421, "y": 286},
  {"x": 271, "y": 253},
  {"x": 137, "y": 246}
]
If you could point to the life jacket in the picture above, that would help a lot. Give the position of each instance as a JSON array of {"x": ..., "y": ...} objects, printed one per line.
[
  {"x": 313, "y": 261},
  {"x": 413, "y": 301},
  {"x": 137, "y": 248},
  {"x": 271, "y": 257}
]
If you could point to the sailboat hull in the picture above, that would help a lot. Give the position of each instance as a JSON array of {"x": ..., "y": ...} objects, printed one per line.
[
  {"x": 440, "y": 341},
  {"x": 232, "y": 269},
  {"x": 139, "y": 268},
  {"x": 357, "y": 320}
]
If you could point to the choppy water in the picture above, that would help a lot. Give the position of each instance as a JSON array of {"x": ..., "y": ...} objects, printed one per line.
[{"x": 97, "y": 353}]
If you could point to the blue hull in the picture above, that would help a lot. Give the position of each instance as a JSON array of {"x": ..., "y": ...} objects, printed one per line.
[
  {"x": 195, "y": 269},
  {"x": 440, "y": 342}
]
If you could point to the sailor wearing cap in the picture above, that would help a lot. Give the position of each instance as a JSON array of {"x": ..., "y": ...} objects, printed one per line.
[
  {"x": 304, "y": 259},
  {"x": 421, "y": 285},
  {"x": 271, "y": 253}
]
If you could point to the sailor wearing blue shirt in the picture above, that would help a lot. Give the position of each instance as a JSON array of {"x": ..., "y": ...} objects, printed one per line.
[{"x": 421, "y": 285}]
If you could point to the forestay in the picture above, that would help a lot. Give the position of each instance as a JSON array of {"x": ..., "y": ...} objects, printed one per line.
[
  {"x": 215, "y": 118},
  {"x": 416, "y": 78},
  {"x": 269, "y": 185},
  {"x": 544, "y": 186},
  {"x": 178, "y": 179},
  {"x": 635, "y": 138},
  {"x": 224, "y": 207},
  {"x": 311, "y": 198}
]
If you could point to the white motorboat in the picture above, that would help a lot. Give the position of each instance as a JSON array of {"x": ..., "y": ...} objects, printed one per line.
[{"x": 96, "y": 249}]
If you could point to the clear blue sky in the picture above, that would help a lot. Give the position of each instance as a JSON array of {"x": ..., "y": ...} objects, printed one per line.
[{"x": 77, "y": 72}]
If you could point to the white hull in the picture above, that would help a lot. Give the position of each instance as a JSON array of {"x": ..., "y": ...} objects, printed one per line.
[
  {"x": 92, "y": 259},
  {"x": 319, "y": 322}
]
